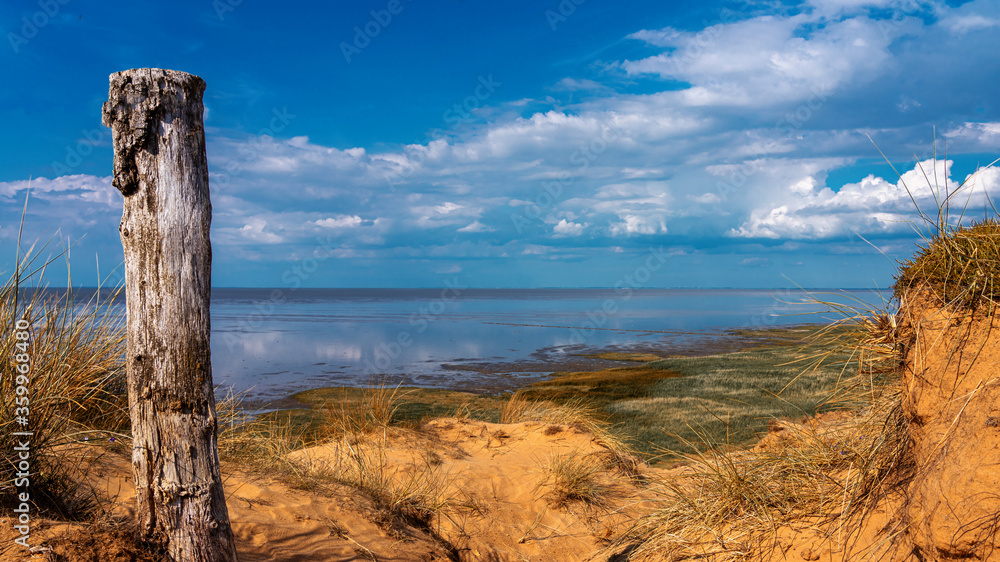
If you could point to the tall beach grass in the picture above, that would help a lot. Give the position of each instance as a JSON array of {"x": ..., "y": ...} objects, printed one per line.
[{"x": 74, "y": 388}]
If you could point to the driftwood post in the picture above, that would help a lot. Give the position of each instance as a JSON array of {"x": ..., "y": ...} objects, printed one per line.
[{"x": 160, "y": 167}]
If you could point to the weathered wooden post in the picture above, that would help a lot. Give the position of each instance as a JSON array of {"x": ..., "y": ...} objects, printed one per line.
[{"x": 160, "y": 167}]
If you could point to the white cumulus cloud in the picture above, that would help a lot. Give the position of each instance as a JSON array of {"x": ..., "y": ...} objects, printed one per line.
[
  {"x": 872, "y": 205},
  {"x": 566, "y": 228},
  {"x": 342, "y": 221},
  {"x": 632, "y": 224},
  {"x": 256, "y": 230}
]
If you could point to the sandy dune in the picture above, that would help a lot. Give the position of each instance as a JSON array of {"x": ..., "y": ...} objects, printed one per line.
[{"x": 491, "y": 477}]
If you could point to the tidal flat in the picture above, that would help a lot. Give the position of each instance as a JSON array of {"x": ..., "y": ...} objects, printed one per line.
[{"x": 661, "y": 406}]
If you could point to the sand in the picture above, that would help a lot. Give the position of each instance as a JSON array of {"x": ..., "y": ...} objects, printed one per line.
[{"x": 492, "y": 476}]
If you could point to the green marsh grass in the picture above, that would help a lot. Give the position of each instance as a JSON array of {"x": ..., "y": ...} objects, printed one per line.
[
  {"x": 660, "y": 408},
  {"x": 728, "y": 398}
]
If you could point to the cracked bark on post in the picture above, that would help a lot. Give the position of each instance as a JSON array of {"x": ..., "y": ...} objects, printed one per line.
[{"x": 161, "y": 169}]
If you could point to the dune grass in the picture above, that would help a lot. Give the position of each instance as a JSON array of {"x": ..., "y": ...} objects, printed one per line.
[
  {"x": 959, "y": 260},
  {"x": 961, "y": 265},
  {"x": 700, "y": 406},
  {"x": 361, "y": 430},
  {"x": 413, "y": 492},
  {"x": 261, "y": 444},
  {"x": 574, "y": 477},
  {"x": 703, "y": 408},
  {"x": 74, "y": 388},
  {"x": 411, "y": 406},
  {"x": 732, "y": 500}
]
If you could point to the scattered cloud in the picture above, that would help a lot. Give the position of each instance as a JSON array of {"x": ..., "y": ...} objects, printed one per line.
[
  {"x": 962, "y": 24},
  {"x": 978, "y": 135},
  {"x": 580, "y": 84},
  {"x": 475, "y": 226},
  {"x": 766, "y": 60},
  {"x": 706, "y": 198},
  {"x": 256, "y": 230},
  {"x": 906, "y": 103},
  {"x": 632, "y": 225},
  {"x": 566, "y": 228},
  {"x": 341, "y": 221}
]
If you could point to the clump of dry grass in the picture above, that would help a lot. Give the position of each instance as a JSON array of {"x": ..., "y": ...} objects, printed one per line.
[
  {"x": 360, "y": 432},
  {"x": 260, "y": 443},
  {"x": 575, "y": 477},
  {"x": 575, "y": 413},
  {"x": 961, "y": 265},
  {"x": 373, "y": 410},
  {"x": 519, "y": 408},
  {"x": 264, "y": 442},
  {"x": 412, "y": 493},
  {"x": 959, "y": 262},
  {"x": 580, "y": 415}
]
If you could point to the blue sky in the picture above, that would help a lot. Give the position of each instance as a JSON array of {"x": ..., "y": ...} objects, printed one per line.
[{"x": 519, "y": 143}]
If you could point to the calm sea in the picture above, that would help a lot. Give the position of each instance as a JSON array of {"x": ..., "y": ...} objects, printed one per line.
[{"x": 271, "y": 343}]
